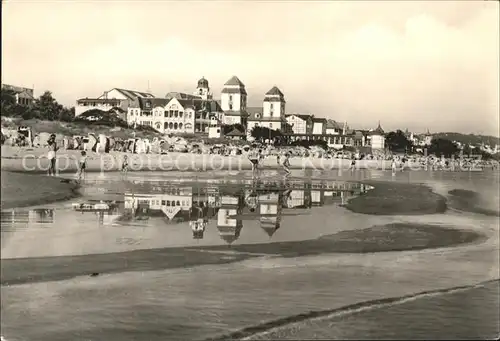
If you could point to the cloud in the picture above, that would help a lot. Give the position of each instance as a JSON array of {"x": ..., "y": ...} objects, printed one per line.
[{"x": 408, "y": 64}]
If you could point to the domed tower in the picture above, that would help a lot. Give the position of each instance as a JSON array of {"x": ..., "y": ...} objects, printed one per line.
[{"x": 203, "y": 90}]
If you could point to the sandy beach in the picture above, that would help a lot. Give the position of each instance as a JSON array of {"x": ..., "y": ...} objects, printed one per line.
[{"x": 34, "y": 160}]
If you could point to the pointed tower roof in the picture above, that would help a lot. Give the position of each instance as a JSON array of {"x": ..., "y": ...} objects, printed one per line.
[
  {"x": 274, "y": 95},
  {"x": 270, "y": 226},
  {"x": 274, "y": 91},
  {"x": 378, "y": 130},
  {"x": 234, "y": 81}
]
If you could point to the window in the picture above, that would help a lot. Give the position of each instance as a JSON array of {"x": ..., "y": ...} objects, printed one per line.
[
  {"x": 230, "y": 107},
  {"x": 176, "y": 113},
  {"x": 175, "y": 125},
  {"x": 170, "y": 125},
  {"x": 201, "y": 91},
  {"x": 163, "y": 202},
  {"x": 165, "y": 125},
  {"x": 230, "y": 98},
  {"x": 158, "y": 126},
  {"x": 171, "y": 113},
  {"x": 218, "y": 130},
  {"x": 270, "y": 125},
  {"x": 178, "y": 203},
  {"x": 180, "y": 125},
  {"x": 180, "y": 113},
  {"x": 272, "y": 106}
]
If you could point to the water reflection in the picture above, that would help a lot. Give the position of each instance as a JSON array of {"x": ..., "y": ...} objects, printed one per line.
[
  {"x": 35, "y": 216},
  {"x": 227, "y": 204},
  {"x": 230, "y": 204}
]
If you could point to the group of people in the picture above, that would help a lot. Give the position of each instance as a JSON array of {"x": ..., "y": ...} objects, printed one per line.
[
  {"x": 82, "y": 161},
  {"x": 256, "y": 156}
]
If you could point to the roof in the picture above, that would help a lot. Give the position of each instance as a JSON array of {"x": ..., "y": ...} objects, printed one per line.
[
  {"x": 235, "y": 132},
  {"x": 153, "y": 102},
  {"x": 235, "y": 81},
  {"x": 275, "y": 92},
  {"x": 305, "y": 117},
  {"x": 255, "y": 110},
  {"x": 332, "y": 124},
  {"x": 133, "y": 94},
  {"x": 181, "y": 95},
  {"x": 202, "y": 83},
  {"x": 240, "y": 90},
  {"x": 18, "y": 89},
  {"x": 378, "y": 130},
  {"x": 319, "y": 120}
]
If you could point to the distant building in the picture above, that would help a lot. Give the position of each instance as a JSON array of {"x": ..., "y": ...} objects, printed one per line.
[
  {"x": 165, "y": 115},
  {"x": 203, "y": 90},
  {"x": 376, "y": 138},
  {"x": 24, "y": 96},
  {"x": 319, "y": 126},
  {"x": 114, "y": 98},
  {"x": 301, "y": 124},
  {"x": 272, "y": 113},
  {"x": 234, "y": 102}
]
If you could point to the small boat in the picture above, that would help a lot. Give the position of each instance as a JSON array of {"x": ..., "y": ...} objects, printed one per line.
[{"x": 89, "y": 207}]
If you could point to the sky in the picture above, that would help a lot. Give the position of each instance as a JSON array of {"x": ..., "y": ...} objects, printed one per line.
[{"x": 417, "y": 65}]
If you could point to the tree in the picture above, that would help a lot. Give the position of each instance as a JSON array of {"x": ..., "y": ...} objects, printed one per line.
[
  {"x": 46, "y": 107},
  {"x": 264, "y": 133},
  {"x": 8, "y": 99},
  {"x": 397, "y": 141},
  {"x": 443, "y": 147}
]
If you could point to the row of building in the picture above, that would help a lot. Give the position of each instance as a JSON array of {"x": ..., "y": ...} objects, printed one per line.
[{"x": 199, "y": 112}]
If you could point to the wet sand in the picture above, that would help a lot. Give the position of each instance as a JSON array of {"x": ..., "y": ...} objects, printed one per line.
[
  {"x": 391, "y": 198},
  {"x": 19, "y": 190},
  {"x": 383, "y": 238},
  {"x": 469, "y": 201}
]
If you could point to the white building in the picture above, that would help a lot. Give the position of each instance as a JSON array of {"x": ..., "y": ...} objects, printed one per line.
[
  {"x": 301, "y": 124},
  {"x": 165, "y": 115},
  {"x": 376, "y": 138},
  {"x": 173, "y": 202},
  {"x": 234, "y": 102},
  {"x": 114, "y": 98},
  {"x": 272, "y": 113},
  {"x": 319, "y": 126}
]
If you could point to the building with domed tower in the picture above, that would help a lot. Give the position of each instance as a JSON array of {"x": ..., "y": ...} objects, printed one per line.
[
  {"x": 233, "y": 101},
  {"x": 203, "y": 90}
]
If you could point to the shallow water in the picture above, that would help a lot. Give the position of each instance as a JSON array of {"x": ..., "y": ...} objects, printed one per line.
[{"x": 212, "y": 300}]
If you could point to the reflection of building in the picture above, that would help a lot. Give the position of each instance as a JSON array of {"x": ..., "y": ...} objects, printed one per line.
[
  {"x": 229, "y": 226},
  {"x": 36, "y": 216},
  {"x": 317, "y": 194},
  {"x": 174, "y": 203},
  {"x": 270, "y": 208}
]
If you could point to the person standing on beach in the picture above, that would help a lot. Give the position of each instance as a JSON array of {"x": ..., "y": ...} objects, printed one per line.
[
  {"x": 353, "y": 164},
  {"x": 254, "y": 157},
  {"x": 125, "y": 164},
  {"x": 82, "y": 164},
  {"x": 286, "y": 164},
  {"x": 393, "y": 166},
  {"x": 52, "y": 154}
]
